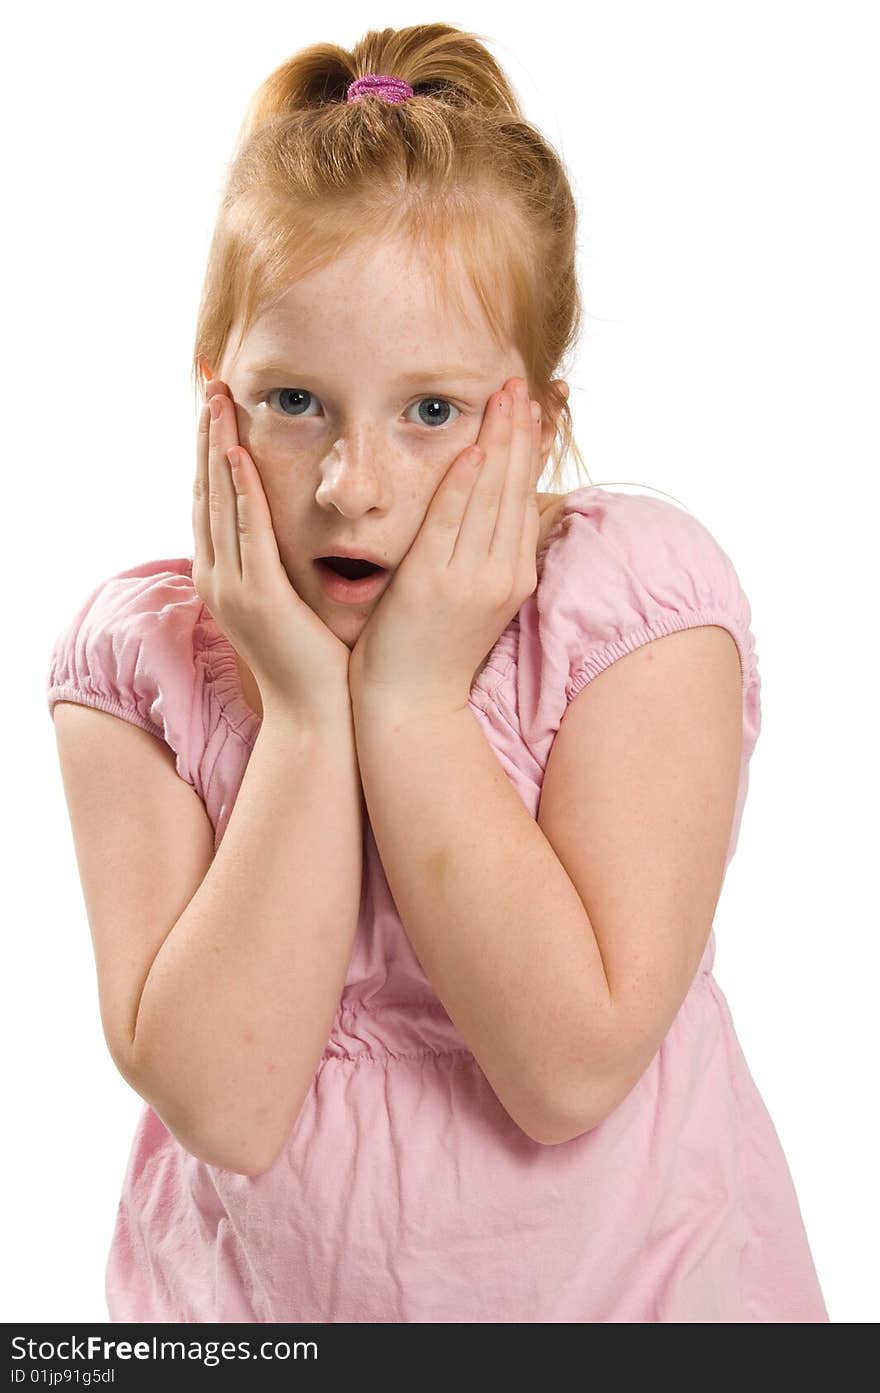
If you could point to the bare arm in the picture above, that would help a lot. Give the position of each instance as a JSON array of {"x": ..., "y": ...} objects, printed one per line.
[
  {"x": 239, "y": 1001},
  {"x": 564, "y": 1008},
  {"x": 492, "y": 914}
]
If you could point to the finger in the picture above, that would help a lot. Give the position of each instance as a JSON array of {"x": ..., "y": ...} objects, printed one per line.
[
  {"x": 517, "y": 485},
  {"x": 532, "y": 516},
  {"x": 222, "y": 506},
  {"x": 532, "y": 520},
  {"x": 256, "y": 534},
  {"x": 482, "y": 499},
  {"x": 436, "y": 540},
  {"x": 201, "y": 524},
  {"x": 258, "y": 545}
]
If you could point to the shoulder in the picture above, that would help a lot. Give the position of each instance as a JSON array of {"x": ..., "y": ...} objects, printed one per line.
[
  {"x": 154, "y": 594},
  {"x": 129, "y": 648},
  {"x": 620, "y": 570},
  {"x": 631, "y": 529},
  {"x": 621, "y": 563}
]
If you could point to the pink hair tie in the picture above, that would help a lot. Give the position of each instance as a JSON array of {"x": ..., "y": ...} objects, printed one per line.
[{"x": 389, "y": 89}]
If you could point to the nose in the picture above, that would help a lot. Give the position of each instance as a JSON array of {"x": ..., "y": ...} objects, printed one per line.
[{"x": 354, "y": 474}]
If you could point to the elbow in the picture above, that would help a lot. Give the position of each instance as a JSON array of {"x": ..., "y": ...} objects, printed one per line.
[
  {"x": 251, "y": 1159},
  {"x": 557, "y": 1121},
  {"x": 556, "y": 1128},
  {"x": 257, "y": 1164},
  {"x": 592, "y": 1103},
  {"x": 580, "y": 1109},
  {"x": 238, "y": 1148},
  {"x": 251, "y": 1171}
]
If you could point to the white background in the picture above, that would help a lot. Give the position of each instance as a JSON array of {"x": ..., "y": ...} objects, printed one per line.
[{"x": 724, "y": 158}]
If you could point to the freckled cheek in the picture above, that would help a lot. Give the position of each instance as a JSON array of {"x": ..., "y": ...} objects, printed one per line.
[
  {"x": 416, "y": 473},
  {"x": 265, "y": 432},
  {"x": 273, "y": 452}
]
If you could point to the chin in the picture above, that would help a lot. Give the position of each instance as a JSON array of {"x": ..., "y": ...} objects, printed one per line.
[{"x": 347, "y": 630}]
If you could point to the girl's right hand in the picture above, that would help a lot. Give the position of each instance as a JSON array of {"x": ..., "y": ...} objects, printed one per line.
[{"x": 298, "y": 664}]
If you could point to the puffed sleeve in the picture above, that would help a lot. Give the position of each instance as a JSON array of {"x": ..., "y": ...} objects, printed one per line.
[
  {"x": 130, "y": 650},
  {"x": 622, "y": 570}
]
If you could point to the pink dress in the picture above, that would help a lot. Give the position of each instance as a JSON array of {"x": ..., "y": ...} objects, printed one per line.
[{"x": 405, "y": 1192}]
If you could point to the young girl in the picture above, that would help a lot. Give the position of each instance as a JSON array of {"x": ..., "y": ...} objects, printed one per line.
[{"x": 403, "y": 924}]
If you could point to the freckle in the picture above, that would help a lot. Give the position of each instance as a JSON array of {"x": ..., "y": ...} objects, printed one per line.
[
  {"x": 248, "y": 1037},
  {"x": 270, "y": 1067}
]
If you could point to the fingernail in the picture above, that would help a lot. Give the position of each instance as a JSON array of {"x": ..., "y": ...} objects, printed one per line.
[
  {"x": 536, "y": 411},
  {"x": 216, "y": 406}
]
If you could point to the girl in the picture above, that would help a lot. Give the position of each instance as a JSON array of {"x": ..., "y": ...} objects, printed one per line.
[{"x": 403, "y": 924}]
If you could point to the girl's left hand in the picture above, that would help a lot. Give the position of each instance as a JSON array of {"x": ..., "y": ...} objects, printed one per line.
[{"x": 468, "y": 571}]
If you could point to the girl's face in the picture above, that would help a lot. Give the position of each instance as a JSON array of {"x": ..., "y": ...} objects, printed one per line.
[{"x": 353, "y": 396}]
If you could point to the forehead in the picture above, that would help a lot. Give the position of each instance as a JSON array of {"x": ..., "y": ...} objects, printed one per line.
[{"x": 382, "y": 299}]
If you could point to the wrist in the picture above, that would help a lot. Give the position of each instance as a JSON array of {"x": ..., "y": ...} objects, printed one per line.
[
  {"x": 399, "y": 701},
  {"x": 281, "y": 714},
  {"x": 395, "y": 706}
]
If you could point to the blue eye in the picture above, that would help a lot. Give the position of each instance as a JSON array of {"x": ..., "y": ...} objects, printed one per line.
[
  {"x": 298, "y": 400},
  {"x": 292, "y": 392},
  {"x": 434, "y": 402}
]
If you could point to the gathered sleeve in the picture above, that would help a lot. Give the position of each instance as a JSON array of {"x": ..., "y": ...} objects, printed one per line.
[
  {"x": 130, "y": 649},
  {"x": 621, "y": 571}
]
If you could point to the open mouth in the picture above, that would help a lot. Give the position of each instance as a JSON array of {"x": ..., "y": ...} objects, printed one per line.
[
  {"x": 348, "y": 567},
  {"x": 351, "y": 582}
]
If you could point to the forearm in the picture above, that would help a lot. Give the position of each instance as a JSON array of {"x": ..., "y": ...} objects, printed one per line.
[
  {"x": 489, "y": 909},
  {"x": 239, "y": 1002}
]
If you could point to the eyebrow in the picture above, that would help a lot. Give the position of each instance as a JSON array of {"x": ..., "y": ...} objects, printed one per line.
[{"x": 447, "y": 373}]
